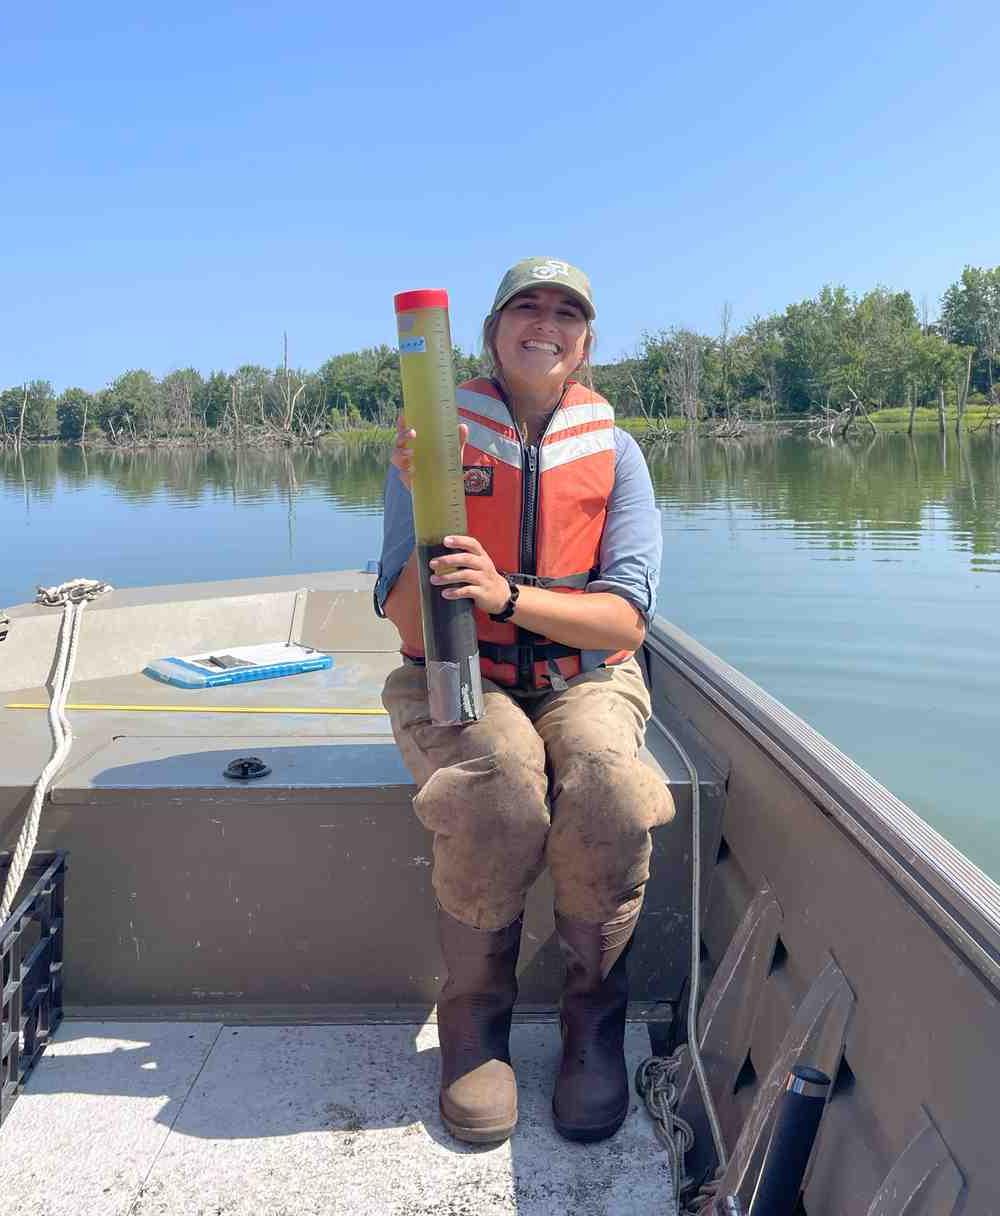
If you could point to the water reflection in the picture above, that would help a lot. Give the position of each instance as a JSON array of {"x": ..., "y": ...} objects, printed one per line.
[
  {"x": 894, "y": 485},
  {"x": 350, "y": 476}
]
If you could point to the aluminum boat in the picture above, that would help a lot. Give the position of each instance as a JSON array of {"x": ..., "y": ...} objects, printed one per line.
[{"x": 226, "y": 986}]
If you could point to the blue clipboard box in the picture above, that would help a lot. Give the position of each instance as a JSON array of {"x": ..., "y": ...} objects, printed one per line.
[{"x": 237, "y": 665}]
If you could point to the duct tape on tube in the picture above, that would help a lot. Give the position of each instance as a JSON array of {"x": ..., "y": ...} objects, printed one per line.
[{"x": 454, "y": 691}]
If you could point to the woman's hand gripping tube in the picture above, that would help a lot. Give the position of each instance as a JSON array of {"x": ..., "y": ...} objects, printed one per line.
[{"x": 451, "y": 648}]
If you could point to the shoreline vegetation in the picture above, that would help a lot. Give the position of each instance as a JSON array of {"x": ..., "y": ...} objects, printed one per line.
[
  {"x": 648, "y": 432},
  {"x": 835, "y": 366}
]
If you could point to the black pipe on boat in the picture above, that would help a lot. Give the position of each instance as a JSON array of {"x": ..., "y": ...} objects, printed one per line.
[
  {"x": 728, "y": 1205},
  {"x": 795, "y": 1127}
]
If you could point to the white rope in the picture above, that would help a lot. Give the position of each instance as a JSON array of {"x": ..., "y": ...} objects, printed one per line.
[
  {"x": 73, "y": 597},
  {"x": 692, "y": 1012},
  {"x": 655, "y": 1076},
  {"x": 656, "y": 1084}
]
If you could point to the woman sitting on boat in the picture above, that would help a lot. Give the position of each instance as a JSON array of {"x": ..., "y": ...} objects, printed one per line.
[{"x": 561, "y": 564}]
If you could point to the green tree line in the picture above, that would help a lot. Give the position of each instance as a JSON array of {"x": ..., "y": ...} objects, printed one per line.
[{"x": 820, "y": 354}]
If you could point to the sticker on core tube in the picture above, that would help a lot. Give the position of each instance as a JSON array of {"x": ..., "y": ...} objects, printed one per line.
[{"x": 413, "y": 346}]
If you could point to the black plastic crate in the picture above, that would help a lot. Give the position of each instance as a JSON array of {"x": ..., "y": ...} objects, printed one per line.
[{"x": 31, "y": 958}]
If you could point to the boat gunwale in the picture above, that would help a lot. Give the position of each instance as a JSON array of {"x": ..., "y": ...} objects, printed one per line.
[{"x": 951, "y": 890}]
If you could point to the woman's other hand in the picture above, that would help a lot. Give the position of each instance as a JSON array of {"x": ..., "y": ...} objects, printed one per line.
[
  {"x": 402, "y": 449},
  {"x": 402, "y": 452},
  {"x": 469, "y": 573}
]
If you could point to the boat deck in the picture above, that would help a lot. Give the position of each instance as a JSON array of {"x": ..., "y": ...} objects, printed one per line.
[
  {"x": 125, "y": 631},
  {"x": 195, "y": 1118},
  {"x": 251, "y": 972},
  {"x": 243, "y": 712}
]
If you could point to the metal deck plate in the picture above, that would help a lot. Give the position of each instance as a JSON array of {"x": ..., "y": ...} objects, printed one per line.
[{"x": 165, "y": 1119}]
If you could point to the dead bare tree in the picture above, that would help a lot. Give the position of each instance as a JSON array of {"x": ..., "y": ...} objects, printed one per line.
[
  {"x": 843, "y": 421},
  {"x": 633, "y": 386},
  {"x": 729, "y": 428},
  {"x": 989, "y": 337},
  {"x": 683, "y": 373},
  {"x": 232, "y": 420},
  {"x": 246, "y": 418},
  {"x": 289, "y": 394},
  {"x": 859, "y": 410},
  {"x": 725, "y": 354},
  {"x": 314, "y": 420},
  {"x": 962, "y": 384},
  {"x": 767, "y": 402},
  {"x": 987, "y": 419},
  {"x": 179, "y": 402},
  {"x": 19, "y": 435},
  {"x": 911, "y": 389}
]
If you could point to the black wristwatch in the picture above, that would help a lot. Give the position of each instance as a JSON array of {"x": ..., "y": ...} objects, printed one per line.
[{"x": 507, "y": 611}]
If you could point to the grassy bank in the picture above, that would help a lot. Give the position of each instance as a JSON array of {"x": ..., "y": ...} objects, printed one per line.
[
  {"x": 926, "y": 418},
  {"x": 643, "y": 428},
  {"x": 360, "y": 435},
  {"x": 896, "y": 418}
]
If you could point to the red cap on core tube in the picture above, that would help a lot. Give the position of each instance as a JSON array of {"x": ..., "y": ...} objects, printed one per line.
[{"x": 407, "y": 301}]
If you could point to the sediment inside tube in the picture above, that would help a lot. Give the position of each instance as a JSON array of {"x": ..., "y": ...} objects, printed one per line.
[{"x": 449, "y": 625}]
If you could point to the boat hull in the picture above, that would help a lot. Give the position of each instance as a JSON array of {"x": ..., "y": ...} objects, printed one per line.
[{"x": 839, "y": 930}]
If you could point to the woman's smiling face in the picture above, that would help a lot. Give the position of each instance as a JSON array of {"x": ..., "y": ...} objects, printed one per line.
[{"x": 541, "y": 338}]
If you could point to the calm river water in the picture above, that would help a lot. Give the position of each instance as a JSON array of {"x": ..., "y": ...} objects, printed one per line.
[{"x": 858, "y": 584}]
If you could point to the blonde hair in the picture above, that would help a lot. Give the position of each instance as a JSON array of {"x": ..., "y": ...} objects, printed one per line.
[{"x": 491, "y": 364}]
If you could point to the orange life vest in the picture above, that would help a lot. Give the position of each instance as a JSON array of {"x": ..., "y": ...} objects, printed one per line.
[{"x": 539, "y": 511}]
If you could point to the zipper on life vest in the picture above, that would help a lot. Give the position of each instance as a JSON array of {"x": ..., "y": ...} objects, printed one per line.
[
  {"x": 529, "y": 514},
  {"x": 529, "y": 526},
  {"x": 529, "y": 508}
]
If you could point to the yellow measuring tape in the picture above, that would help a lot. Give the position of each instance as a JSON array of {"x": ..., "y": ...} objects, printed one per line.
[{"x": 205, "y": 709}]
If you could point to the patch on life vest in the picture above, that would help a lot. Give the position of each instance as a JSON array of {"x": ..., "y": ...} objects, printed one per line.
[{"x": 478, "y": 479}]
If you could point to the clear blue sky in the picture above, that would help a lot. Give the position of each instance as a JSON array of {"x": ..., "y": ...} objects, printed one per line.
[{"x": 178, "y": 189}]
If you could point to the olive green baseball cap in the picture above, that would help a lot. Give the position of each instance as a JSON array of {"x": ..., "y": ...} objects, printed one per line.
[{"x": 545, "y": 272}]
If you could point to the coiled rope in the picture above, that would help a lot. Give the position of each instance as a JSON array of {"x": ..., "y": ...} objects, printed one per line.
[
  {"x": 72, "y": 597},
  {"x": 655, "y": 1078},
  {"x": 656, "y": 1084}
]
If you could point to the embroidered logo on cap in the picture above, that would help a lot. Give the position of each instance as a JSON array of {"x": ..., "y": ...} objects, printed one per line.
[{"x": 551, "y": 269}]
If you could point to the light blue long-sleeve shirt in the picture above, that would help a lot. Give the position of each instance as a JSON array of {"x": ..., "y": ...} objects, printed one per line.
[{"x": 631, "y": 544}]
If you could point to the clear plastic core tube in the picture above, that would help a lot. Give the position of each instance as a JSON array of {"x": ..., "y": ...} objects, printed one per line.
[{"x": 450, "y": 645}]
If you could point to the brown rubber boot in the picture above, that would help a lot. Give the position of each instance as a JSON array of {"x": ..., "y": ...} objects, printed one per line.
[
  {"x": 592, "y": 1092},
  {"x": 478, "y": 1090}
]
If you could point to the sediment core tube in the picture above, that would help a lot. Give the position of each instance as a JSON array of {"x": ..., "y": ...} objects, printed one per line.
[{"x": 451, "y": 648}]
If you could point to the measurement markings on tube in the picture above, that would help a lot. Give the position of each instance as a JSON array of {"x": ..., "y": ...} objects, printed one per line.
[{"x": 438, "y": 326}]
